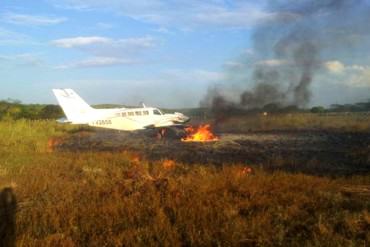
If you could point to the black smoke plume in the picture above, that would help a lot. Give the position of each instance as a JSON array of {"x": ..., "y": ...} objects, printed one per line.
[{"x": 287, "y": 53}]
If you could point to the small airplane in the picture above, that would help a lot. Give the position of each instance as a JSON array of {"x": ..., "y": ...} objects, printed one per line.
[{"x": 77, "y": 111}]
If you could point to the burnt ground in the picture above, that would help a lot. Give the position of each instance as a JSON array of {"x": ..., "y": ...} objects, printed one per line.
[{"x": 308, "y": 151}]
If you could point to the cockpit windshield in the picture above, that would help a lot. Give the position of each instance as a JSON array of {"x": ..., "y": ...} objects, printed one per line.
[{"x": 157, "y": 112}]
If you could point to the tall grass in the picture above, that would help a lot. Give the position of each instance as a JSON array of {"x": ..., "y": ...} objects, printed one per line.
[{"x": 29, "y": 135}]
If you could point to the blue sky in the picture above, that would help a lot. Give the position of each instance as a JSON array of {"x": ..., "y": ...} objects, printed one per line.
[{"x": 166, "y": 53}]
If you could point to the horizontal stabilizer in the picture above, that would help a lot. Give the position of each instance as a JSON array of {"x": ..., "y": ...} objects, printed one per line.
[{"x": 63, "y": 120}]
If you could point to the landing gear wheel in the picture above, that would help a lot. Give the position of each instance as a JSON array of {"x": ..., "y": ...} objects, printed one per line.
[{"x": 161, "y": 133}]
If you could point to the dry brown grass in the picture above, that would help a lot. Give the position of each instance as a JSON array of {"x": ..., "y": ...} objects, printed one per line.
[{"x": 110, "y": 200}]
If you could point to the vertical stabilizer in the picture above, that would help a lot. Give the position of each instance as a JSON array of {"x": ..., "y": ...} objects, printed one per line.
[{"x": 75, "y": 108}]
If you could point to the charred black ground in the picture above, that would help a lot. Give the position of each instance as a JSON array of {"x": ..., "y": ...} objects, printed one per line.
[{"x": 308, "y": 151}]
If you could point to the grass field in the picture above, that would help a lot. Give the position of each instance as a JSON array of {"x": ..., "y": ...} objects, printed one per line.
[
  {"x": 52, "y": 198},
  {"x": 298, "y": 121}
]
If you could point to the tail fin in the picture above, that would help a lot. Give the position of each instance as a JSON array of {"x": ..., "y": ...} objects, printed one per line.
[{"x": 75, "y": 108}]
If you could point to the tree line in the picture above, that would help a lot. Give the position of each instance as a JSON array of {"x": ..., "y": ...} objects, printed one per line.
[
  {"x": 14, "y": 109},
  {"x": 356, "y": 107}
]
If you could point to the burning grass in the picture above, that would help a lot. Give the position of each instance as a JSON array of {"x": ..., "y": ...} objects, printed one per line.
[
  {"x": 120, "y": 198},
  {"x": 202, "y": 133}
]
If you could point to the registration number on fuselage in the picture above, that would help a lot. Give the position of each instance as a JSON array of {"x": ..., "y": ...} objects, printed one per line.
[{"x": 102, "y": 122}]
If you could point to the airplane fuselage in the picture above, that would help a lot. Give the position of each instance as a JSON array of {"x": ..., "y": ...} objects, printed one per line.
[
  {"x": 77, "y": 111},
  {"x": 129, "y": 119}
]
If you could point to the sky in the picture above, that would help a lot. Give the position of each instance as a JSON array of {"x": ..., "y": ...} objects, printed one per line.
[{"x": 165, "y": 53}]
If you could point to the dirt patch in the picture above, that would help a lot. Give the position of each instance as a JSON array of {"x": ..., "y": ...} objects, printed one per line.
[{"x": 309, "y": 151}]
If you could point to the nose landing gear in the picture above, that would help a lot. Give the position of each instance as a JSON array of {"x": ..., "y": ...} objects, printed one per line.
[{"x": 171, "y": 133}]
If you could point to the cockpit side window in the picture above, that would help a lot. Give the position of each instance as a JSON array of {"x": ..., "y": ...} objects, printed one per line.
[{"x": 157, "y": 112}]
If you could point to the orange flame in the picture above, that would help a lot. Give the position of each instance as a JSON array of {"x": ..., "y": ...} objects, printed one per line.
[
  {"x": 201, "y": 134},
  {"x": 246, "y": 171},
  {"x": 53, "y": 143},
  {"x": 168, "y": 164}
]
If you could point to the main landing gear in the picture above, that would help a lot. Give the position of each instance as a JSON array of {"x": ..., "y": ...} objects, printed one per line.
[{"x": 161, "y": 133}]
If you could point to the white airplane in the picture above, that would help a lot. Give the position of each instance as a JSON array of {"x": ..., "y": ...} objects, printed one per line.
[{"x": 77, "y": 111}]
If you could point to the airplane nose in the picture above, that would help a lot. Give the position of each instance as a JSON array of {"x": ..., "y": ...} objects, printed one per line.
[
  {"x": 186, "y": 119},
  {"x": 182, "y": 118}
]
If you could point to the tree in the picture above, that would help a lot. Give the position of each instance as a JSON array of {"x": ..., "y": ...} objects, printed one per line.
[
  {"x": 51, "y": 112},
  {"x": 318, "y": 109}
]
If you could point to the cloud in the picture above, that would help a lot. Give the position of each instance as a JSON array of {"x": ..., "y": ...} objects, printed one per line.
[
  {"x": 272, "y": 62},
  {"x": 23, "y": 59},
  {"x": 359, "y": 78},
  {"x": 97, "y": 62},
  {"x": 243, "y": 17},
  {"x": 350, "y": 75},
  {"x": 196, "y": 75},
  {"x": 31, "y": 20},
  {"x": 357, "y": 67},
  {"x": 106, "y": 51},
  {"x": 107, "y": 47},
  {"x": 337, "y": 67},
  {"x": 11, "y": 37},
  {"x": 104, "y": 25},
  {"x": 184, "y": 14},
  {"x": 334, "y": 66},
  {"x": 80, "y": 41},
  {"x": 162, "y": 30},
  {"x": 234, "y": 65}
]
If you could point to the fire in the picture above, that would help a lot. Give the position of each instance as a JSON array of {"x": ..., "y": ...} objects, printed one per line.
[
  {"x": 168, "y": 164},
  {"x": 246, "y": 171},
  {"x": 201, "y": 134},
  {"x": 53, "y": 143}
]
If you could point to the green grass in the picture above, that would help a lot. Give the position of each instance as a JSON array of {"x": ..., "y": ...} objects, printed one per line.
[
  {"x": 115, "y": 199},
  {"x": 29, "y": 135}
]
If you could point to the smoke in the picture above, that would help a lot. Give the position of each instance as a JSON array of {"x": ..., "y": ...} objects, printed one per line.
[{"x": 288, "y": 53}]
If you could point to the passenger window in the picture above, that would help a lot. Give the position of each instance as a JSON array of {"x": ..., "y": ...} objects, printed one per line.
[
  {"x": 145, "y": 112},
  {"x": 138, "y": 113},
  {"x": 156, "y": 112},
  {"x": 124, "y": 114},
  {"x": 131, "y": 114}
]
